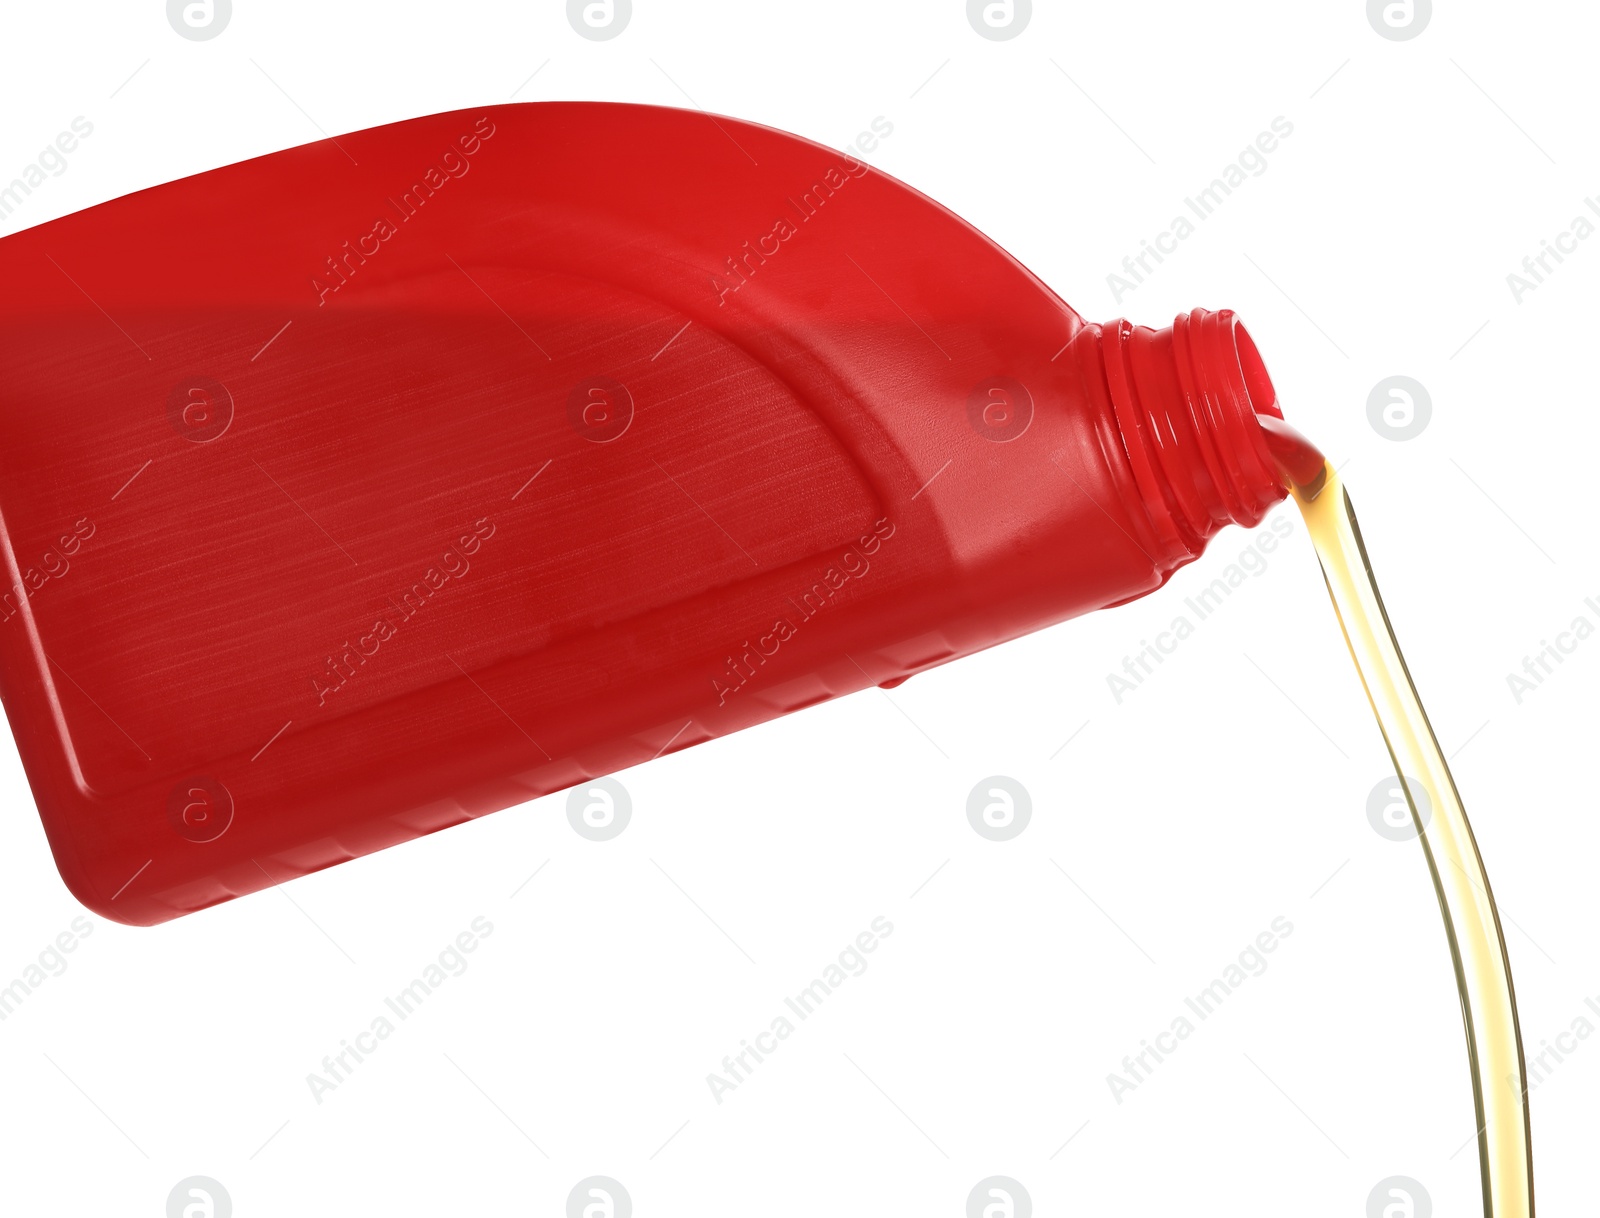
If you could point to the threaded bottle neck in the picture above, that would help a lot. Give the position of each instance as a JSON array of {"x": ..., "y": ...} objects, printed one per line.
[{"x": 1186, "y": 400}]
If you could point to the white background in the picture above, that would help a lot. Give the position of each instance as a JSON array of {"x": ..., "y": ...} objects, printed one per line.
[{"x": 1224, "y": 792}]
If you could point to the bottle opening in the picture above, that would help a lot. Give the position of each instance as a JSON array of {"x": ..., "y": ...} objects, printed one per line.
[
  {"x": 1187, "y": 400},
  {"x": 1258, "y": 385}
]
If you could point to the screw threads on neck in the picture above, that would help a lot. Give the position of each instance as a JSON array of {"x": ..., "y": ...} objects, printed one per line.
[{"x": 1186, "y": 400}]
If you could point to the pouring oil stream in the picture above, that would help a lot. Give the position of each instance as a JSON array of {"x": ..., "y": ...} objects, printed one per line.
[{"x": 1471, "y": 922}]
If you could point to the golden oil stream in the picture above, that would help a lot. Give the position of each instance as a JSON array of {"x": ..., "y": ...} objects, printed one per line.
[{"x": 1471, "y": 922}]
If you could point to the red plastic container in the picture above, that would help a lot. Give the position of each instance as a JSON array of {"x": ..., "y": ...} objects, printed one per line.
[{"x": 375, "y": 485}]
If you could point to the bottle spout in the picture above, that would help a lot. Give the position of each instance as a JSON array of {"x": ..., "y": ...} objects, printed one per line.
[
  {"x": 1301, "y": 465},
  {"x": 1190, "y": 401}
]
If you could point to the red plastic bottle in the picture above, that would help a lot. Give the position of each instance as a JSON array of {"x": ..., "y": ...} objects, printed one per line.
[{"x": 364, "y": 488}]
